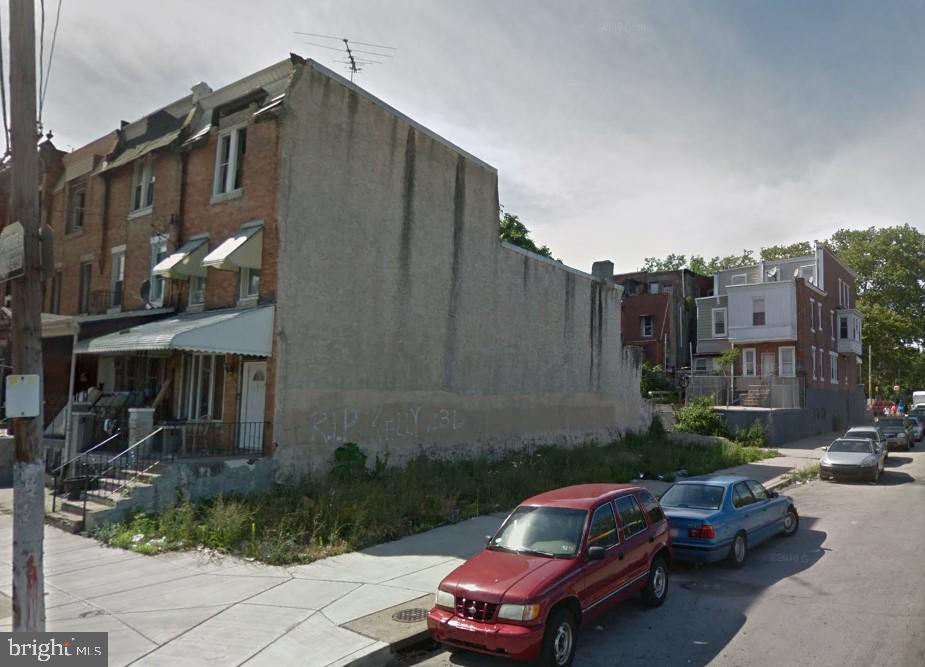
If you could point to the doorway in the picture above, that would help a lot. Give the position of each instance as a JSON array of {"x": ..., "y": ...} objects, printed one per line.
[{"x": 253, "y": 403}]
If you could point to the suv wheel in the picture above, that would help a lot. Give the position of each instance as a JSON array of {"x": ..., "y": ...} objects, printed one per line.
[
  {"x": 559, "y": 640},
  {"x": 656, "y": 589},
  {"x": 738, "y": 551}
]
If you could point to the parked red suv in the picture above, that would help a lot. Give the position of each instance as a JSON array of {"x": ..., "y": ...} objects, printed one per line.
[{"x": 560, "y": 559}]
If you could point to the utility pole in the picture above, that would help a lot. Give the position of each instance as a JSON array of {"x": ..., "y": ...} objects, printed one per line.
[{"x": 29, "y": 468}]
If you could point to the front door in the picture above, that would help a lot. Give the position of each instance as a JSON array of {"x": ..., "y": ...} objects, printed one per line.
[
  {"x": 253, "y": 401},
  {"x": 768, "y": 362}
]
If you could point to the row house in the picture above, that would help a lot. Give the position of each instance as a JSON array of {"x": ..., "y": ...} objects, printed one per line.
[
  {"x": 796, "y": 327},
  {"x": 165, "y": 263},
  {"x": 659, "y": 315}
]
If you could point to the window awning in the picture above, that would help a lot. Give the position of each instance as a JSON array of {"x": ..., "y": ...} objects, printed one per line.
[
  {"x": 229, "y": 331},
  {"x": 243, "y": 250},
  {"x": 185, "y": 261}
]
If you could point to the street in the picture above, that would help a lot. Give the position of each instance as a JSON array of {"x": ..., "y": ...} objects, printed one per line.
[{"x": 846, "y": 590}]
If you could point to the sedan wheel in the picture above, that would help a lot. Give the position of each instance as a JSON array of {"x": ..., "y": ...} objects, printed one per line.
[
  {"x": 791, "y": 522},
  {"x": 656, "y": 589},
  {"x": 738, "y": 551}
]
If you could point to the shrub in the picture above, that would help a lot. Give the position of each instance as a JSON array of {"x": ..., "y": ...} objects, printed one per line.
[
  {"x": 755, "y": 435},
  {"x": 699, "y": 417},
  {"x": 656, "y": 428},
  {"x": 653, "y": 379}
]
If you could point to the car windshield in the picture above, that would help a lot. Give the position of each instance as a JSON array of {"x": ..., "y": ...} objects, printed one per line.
[
  {"x": 861, "y": 434},
  {"x": 544, "y": 531},
  {"x": 853, "y": 446},
  {"x": 697, "y": 496},
  {"x": 894, "y": 423}
]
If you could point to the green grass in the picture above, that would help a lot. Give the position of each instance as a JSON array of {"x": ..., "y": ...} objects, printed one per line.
[
  {"x": 803, "y": 474},
  {"x": 353, "y": 507}
]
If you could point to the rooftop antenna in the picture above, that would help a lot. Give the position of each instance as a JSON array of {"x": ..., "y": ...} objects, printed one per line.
[{"x": 354, "y": 63}]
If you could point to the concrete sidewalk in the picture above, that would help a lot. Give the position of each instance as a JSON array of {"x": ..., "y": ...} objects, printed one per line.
[{"x": 195, "y": 608}]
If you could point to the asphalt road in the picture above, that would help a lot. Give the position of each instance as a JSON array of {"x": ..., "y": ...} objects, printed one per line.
[{"x": 848, "y": 589}]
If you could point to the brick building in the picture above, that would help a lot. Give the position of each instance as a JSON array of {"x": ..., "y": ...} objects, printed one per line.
[
  {"x": 799, "y": 335},
  {"x": 659, "y": 316}
]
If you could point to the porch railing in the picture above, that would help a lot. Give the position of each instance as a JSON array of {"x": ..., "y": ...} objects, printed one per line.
[
  {"x": 208, "y": 438},
  {"x": 772, "y": 391},
  {"x": 72, "y": 477}
]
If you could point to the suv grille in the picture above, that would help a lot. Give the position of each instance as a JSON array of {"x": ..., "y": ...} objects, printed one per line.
[{"x": 475, "y": 610}]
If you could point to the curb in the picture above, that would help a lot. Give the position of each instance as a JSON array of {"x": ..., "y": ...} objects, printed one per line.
[{"x": 386, "y": 654}]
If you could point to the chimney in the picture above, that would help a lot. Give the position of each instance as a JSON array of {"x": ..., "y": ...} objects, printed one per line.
[
  {"x": 200, "y": 90},
  {"x": 604, "y": 271}
]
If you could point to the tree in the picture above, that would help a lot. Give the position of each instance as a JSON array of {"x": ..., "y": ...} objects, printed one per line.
[
  {"x": 727, "y": 361},
  {"x": 670, "y": 263},
  {"x": 799, "y": 249},
  {"x": 512, "y": 230},
  {"x": 708, "y": 267}
]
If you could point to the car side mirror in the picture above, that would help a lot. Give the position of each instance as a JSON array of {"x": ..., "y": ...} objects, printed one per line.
[
  {"x": 825, "y": 449},
  {"x": 488, "y": 539},
  {"x": 773, "y": 494},
  {"x": 596, "y": 553}
]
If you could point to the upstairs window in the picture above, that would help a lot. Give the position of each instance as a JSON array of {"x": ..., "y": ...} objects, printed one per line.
[
  {"x": 158, "y": 254},
  {"x": 117, "y": 282},
  {"x": 228, "y": 160},
  {"x": 54, "y": 301},
  {"x": 719, "y": 322},
  {"x": 143, "y": 186},
  {"x": 645, "y": 326},
  {"x": 83, "y": 296},
  {"x": 653, "y": 288},
  {"x": 739, "y": 279},
  {"x": 758, "y": 312},
  {"x": 833, "y": 367},
  {"x": 832, "y": 324},
  {"x": 250, "y": 283},
  {"x": 812, "y": 315},
  {"x": 197, "y": 290},
  {"x": 77, "y": 204}
]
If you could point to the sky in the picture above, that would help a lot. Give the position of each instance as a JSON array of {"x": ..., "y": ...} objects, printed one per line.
[{"x": 620, "y": 130}]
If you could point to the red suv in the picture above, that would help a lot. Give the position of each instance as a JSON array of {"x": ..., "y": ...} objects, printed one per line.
[{"x": 560, "y": 559}]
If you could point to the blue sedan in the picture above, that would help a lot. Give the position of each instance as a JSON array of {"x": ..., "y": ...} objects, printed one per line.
[{"x": 722, "y": 517}]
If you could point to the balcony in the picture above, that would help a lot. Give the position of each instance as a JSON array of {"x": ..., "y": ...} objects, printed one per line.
[{"x": 849, "y": 332}]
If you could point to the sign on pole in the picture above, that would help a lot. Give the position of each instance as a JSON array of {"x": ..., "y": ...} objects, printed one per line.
[{"x": 12, "y": 244}]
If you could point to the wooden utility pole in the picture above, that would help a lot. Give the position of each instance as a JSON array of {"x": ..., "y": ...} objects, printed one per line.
[{"x": 29, "y": 468}]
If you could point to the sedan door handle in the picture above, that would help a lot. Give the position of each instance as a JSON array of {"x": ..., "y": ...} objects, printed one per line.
[
  {"x": 651, "y": 539},
  {"x": 620, "y": 555}
]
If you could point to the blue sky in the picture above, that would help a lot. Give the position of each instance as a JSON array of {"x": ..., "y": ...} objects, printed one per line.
[{"x": 620, "y": 129}]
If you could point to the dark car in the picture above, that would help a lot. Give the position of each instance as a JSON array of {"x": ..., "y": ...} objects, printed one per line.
[
  {"x": 723, "y": 516},
  {"x": 559, "y": 560},
  {"x": 897, "y": 431}
]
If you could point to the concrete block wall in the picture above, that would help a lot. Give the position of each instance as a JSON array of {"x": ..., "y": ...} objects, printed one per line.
[{"x": 403, "y": 324}]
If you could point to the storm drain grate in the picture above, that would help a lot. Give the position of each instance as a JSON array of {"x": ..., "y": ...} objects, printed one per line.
[{"x": 410, "y": 615}]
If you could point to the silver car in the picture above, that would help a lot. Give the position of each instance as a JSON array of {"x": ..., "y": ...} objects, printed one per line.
[
  {"x": 917, "y": 425},
  {"x": 852, "y": 459},
  {"x": 896, "y": 432},
  {"x": 872, "y": 433}
]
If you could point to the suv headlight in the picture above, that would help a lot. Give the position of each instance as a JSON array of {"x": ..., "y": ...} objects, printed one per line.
[
  {"x": 445, "y": 600},
  {"x": 519, "y": 612}
]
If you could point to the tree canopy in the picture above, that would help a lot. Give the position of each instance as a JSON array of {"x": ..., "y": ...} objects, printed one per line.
[{"x": 512, "y": 230}]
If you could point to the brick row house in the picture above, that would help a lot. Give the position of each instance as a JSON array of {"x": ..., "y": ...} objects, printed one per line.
[
  {"x": 165, "y": 261},
  {"x": 659, "y": 315},
  {"x": 799, "y": 335}
]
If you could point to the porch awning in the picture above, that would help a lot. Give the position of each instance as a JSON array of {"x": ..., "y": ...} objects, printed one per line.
[
  {"x": 185, "y": 261},
  {"x": 243, "y": 250},
  {"x": 229, "y": 331}
]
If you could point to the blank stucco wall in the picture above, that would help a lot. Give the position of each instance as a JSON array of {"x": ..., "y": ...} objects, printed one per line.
[{"x": 402, "y": 322}]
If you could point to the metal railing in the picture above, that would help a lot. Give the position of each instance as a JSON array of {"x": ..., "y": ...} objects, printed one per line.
[
  {"x": 208, "y": 438},
  {"x": 71, "y": 476},
  {"x": 770, "y": 391},
  {"x": 102, "y": 300},
  {"x": 125, "y": 467}
]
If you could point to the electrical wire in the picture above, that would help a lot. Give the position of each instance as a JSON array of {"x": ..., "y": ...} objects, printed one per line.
[
  {"x": 41, "y": 60},
  {"x": 51, "y": 58}
]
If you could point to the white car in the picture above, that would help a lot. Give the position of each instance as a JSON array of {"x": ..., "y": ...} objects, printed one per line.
[
  {"x": 852, "y": 459},
  {"x": 873, "y": 434},
  {"x": 916, "y": 426}
]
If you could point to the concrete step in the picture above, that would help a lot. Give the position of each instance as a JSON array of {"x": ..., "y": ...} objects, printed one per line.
[
  {"x": 65, "y": 521},
  {"x": 76, "y": 507}
]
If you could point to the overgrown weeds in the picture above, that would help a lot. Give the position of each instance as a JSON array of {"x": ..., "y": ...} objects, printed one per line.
[{"x": 356, "y": 505}]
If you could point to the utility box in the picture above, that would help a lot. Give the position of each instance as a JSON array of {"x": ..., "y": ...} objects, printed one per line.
[{"x": 23, "y": 396}]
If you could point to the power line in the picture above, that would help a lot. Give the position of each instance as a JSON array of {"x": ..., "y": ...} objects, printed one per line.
[
  {"x": 51, "y": 59},
  {"x": 6, "y": 127},
  {"x": 41, "y": 60}
]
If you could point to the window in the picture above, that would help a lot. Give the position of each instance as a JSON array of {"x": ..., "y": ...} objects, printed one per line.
[
  {"x": 843, "y": 327},
  {"x": 812, "y": 315},
  {"x": 86, "y": 276},
  {"x": 821, "y": 365},
  {"x": 757, "y": 490},
  {"x": 741, "y": 496},
  {"x": 143, "y": 186},
  {"x": 653, "y": 509},
  {"x": 228, "y": 160},
  {"x": 197, "y": 290},
  {"x": 603, "y": 530},
  {"x": 748, "y": 362},
  {"x": 631, "y": 516},
  {"x": 757, "y": 312},
  {"x": 667, "y": 289},
  {"x": 653, "y": 288},
  {"x": 117, "y": 280},
  {"x": 158, "y": 253},
  {"x": 819, "y": 316},
  {"x": 832, "y": 324},
  {"x": 645, "y": 326},
  {"x": 203, "y": 386},
  {"x": 719, "y": 322},
  {"x": 841, "y": 292},
  {"x": 250, "y": 283},
  {"x": 700, "y": 364},
  {"x": 739, "y": 279},
  {"x": 54, "y": 300},
  {"x": 76, "y": 207},
  {"x": 833, "y": 367},
  {"x": 812, "y": 353},
  {"x": 786, "y": 361}
]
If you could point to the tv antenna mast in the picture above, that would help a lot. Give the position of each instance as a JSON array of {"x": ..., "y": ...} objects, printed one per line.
[{"x": 355, "y": 59}]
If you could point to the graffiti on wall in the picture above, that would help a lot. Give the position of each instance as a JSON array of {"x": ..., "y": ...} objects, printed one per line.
[{"x": 383, "y": 425}]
